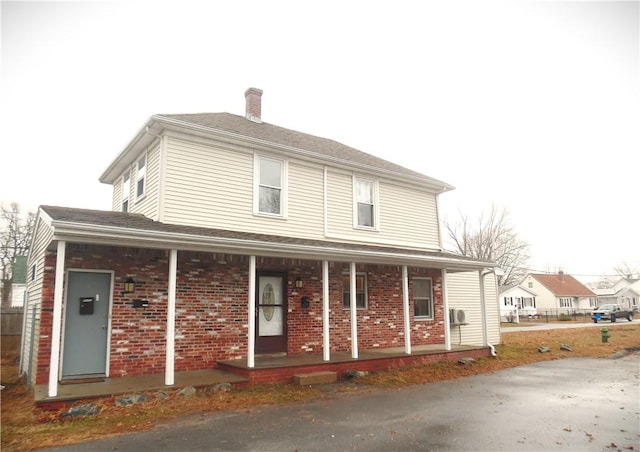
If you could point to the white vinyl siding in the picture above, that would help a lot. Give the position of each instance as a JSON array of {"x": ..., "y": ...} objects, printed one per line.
[
  {"x": 407, "y": 216},
  {"x": 212, "y": 186},
  {"x": 33, "y": 302},
  {"x": 463, "y": 290}
]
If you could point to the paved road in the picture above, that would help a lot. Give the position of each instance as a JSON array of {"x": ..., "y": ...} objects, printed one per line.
[
  {"x": 533, "y": 326},
  {"x": 572, "y": 404}
]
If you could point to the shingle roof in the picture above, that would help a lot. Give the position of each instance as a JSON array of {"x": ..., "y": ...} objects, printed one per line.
[
  {"x": 563, "y": 285},
  {"x": 138, "y": 222},
  {"x": 279, "y": 135}
]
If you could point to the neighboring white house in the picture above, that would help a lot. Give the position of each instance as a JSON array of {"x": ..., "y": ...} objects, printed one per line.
[
  {"x": 19, "y": 282},
  {"x": 516, "y": 301},
  {"x": 625, "y": 292},
  {"x": 559, "y": 292}
]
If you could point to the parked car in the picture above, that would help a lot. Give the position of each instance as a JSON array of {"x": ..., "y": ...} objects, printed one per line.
[{"x": 611, "y": 312}]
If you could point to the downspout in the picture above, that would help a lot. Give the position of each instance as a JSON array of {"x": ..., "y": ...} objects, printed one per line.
[
  {"x": 445, "y": 303},
  {"x": 483, "y": 307}
]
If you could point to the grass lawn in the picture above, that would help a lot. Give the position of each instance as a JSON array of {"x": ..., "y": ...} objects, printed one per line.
[{"x": 27, "y": 428}]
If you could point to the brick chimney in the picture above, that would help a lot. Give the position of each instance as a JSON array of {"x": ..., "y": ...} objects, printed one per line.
[
  {"x": 253, "y": 97},
  {"x": 561, "y": 275}
]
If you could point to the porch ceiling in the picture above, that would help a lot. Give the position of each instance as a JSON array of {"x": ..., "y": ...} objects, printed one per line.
[{"x": 123, "y": 229}]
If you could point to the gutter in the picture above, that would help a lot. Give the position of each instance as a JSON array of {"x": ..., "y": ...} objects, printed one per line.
[{"x": 117, "y": 236}]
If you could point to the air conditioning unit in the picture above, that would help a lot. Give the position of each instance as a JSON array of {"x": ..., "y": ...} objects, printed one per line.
[{"x": 457, "y": 317}]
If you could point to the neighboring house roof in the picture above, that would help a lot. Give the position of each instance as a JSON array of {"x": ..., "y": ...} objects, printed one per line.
[
  {"x": 504, "y": 289},
  {"x": 20, "y": 270},
  {"x": 130, "y": 229},
  {"x": 563, "y": 285},
  {"x": 229, "y": 126}
]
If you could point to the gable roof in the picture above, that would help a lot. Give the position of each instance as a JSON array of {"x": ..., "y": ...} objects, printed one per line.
[
  {"x": 504, "y": 289},
  {"x": 563, "y": 285},
  {"x": 136, "y": 230},
  {"x": 234, "y": 127}
]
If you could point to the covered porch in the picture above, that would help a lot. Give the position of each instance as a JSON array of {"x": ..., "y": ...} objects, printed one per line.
[{"x": 267, "y": 369}]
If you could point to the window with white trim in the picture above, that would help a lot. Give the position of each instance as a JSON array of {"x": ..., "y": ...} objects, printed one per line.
[
  {"x": 422, "y": 298},
  {"x": 361, "y": 291},
  {"x": 126, "y": 188},
  {"x": 141, "y": 174},
  {"x": 269, "y": 192},
  {"x": 365, "y": 195}
]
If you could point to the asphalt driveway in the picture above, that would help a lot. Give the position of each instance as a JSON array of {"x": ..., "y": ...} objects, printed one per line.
[{"x": 569, "y": 404}]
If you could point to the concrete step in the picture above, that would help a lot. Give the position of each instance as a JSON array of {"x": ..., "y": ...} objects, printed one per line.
[{"x": 315, "y": 378}]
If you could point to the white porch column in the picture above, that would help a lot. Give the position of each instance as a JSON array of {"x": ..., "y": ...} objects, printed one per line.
[
  {"x": 54, "y": 358},
  {"x": 405, "y": 306},
  {"x": 445, "y": 303},
  {"x": 326, "y": 353},
  {"x": 170, "y": 354},
  {"x": 251, "y": 354},
  {"x": 483, "y": 306},
  {"x": 352, "y": 305}
]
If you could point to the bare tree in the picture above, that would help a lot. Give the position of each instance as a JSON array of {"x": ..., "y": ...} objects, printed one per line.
[
  {"x": 491, "y": 237},
  {"x": 15, "y": 238},
  {"x": 628, "y": 270}
]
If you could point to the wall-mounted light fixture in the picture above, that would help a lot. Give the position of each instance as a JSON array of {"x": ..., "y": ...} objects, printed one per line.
[
  {"x": 299, "y": 283},
  {"x": 129, "y": 286}
]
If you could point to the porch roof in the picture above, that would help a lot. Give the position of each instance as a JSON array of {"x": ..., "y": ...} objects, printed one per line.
[{"x": 128, "y": 229}]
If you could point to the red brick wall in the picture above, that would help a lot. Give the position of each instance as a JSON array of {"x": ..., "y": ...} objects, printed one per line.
[{"x": 211, "y": 307}]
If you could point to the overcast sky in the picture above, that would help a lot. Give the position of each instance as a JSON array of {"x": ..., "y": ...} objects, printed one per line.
[{"x": 530, "y": 106}]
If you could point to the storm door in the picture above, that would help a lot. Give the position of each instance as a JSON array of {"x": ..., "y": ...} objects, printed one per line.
[
  {"x": 86, "y": 325},
  {"x": 271, "y": 326}
]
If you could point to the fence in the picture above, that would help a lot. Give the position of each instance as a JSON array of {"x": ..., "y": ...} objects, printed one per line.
[
  {"x": 10, "y": 331},
  {"x": 555, "y": 315}
]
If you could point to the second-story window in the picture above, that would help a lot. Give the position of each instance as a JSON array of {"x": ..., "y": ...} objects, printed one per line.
[
  {"x": 142, "y": 170},
  {"x": 270, "y": 186},
  {"x": 365, "y": 195},
  {"x": 126, "y": 188}
]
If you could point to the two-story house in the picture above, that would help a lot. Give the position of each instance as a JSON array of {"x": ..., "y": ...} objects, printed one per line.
[
  {"x": 559, "y": 292},
  {"x": 231, "y": 239}
]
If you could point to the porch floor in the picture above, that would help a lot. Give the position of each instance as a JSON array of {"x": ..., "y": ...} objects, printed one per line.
[
  {"x": 311, "y": 359},
  {"x": 141, "y": 383},
  {"x": 267, "y": 368}
]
